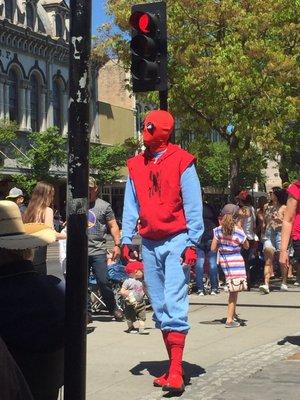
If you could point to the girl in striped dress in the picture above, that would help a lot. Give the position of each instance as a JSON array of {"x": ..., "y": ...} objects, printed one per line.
[{"x": 229, "y": 238}]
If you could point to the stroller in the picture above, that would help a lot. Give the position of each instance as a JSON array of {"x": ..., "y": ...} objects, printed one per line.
[{"x": 116, "y": 276}]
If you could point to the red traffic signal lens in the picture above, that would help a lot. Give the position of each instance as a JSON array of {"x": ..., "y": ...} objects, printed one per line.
[
  {"x": 141, "y": 21},
  {"x": 144, "y": 23}
]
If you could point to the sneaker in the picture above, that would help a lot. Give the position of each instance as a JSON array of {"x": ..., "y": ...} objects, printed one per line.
[
  {"x": 284, "y": 287},
  {"x": 214, "y": 292},
  {"x": 264, "y": 289},
  {"x": 131, "y": 330},
  {"x": 142, "y": 331},
  {"x": 200, "y": 293},
  {"x": 233, "y": 324},
  {"x": 296, "y": 284}
]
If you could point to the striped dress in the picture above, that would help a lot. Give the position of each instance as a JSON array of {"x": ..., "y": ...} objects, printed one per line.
[{"x": 230, "y": 258}]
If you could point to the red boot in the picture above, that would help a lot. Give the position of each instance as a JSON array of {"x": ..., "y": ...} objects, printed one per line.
[
  {"x": 162, "y": 380},
  {"x": 175, "y": 383}
]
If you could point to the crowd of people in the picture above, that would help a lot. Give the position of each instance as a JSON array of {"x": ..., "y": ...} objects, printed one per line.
[{"x": 242, "y": 244}]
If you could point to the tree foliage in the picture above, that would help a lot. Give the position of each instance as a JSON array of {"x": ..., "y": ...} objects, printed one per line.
[
  {"x": 106, "y": 161},
  {"x": 233, "y": 65},
  {"x": 7, "y": 131},
  {"x": 289, "y": 162},
  {"x": 47, "y": 149},
  {"x": 214, "y": 164}
]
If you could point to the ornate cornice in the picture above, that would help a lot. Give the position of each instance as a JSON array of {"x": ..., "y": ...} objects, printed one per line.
[{"x": 23, "y": 39}]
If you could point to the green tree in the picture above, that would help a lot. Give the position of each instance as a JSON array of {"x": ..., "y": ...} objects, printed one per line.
[
  {"x": 106, "y": 161},
  {"x": 46, "y": 149},
  {"x": 233, "y": 65},
  {"x": 214, "y": 164},
  {"x": 8, "y": 131},
  {"x": 289, "y": 163}
]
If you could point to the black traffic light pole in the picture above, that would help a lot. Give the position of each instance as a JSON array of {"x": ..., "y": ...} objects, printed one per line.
[
  {"x": 163, "y": 100},
  {"x": 77, "y": 201}
]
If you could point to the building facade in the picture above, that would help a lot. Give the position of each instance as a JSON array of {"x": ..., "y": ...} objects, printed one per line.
[
  {"x": 34, "y": 63},
  {"x": 34, "y": 57}
]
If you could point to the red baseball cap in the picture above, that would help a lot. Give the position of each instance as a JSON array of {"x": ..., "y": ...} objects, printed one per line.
[{"x": 133, "y": 266}]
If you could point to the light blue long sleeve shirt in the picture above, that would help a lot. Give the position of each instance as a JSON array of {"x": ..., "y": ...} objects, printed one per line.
[{"x": 192, "y": 205}]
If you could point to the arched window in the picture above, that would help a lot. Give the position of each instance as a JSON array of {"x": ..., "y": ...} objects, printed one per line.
[
  {"x": 13, "y": 96},
  {"x": 57, "y": 103},
  {"x": 9, "y": 9},
  {"x": 30, "y": 16},
  {"x": 34, "y": 103},
  {"x": 59, "y": 26}
]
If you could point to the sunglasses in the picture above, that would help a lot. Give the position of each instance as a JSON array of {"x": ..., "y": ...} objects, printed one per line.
[{"x": 150, "y": 127}]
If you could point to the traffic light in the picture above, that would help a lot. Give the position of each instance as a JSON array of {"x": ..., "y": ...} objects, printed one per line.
[{"x": 149, "y": 47}]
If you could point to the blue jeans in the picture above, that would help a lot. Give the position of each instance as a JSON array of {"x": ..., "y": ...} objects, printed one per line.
[
  {"x": 202, "y": 250},
  {"x": 98, "y": 264}
]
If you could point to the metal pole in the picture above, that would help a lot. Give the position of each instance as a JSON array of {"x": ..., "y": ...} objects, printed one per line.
[
  {"x": 163, "y": 100},
  {"x": 77, "y": 201}
]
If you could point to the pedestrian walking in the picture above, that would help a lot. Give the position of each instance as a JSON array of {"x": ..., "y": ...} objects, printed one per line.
[
  {"x": 273, "y": 216},
  {"x": 133, "y": 292},
  {"x": 40, "y": 211},
  {"x": 291, "y": 229},
  {"x": 163, "y": 192},
  {"x": 101, "y": 216},
  {"x": 15, "y": 194},
  {"x": 210, "y": 219},
  {"x": 245, "y": 201},
  {"x": 228, "y": 240}
]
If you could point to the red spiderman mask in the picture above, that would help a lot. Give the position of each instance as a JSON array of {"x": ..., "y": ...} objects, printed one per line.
[{"x": 157, "y": 128}]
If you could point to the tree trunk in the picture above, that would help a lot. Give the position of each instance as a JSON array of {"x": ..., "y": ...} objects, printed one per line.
[{"x": 234, "y": 168}]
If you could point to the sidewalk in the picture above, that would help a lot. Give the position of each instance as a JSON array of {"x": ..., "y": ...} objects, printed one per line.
[
  {"x": 249, "y": 362},
  {"x": 237, "y": 362}
]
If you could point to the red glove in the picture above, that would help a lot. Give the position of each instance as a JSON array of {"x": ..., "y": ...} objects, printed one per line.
[
  {"x": 189, "y": 256},
  {"x": 126, "y": 251}
]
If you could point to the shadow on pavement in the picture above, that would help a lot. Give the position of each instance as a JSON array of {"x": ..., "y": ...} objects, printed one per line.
[
  {"x": 222, "y": 321},
  {"x": 290, "y": 339},
  {"x": 157, "y": 368},
  {"x": 246, "y": 305}
]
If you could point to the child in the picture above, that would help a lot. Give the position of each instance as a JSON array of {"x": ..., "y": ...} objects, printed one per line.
[
  {"x": 133, "y": 291},
  {"x": 228, "y": 239}
]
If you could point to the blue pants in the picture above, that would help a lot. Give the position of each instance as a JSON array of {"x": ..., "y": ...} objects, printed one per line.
[
  {"x": 167, "y": 282},
  {"x": 202, "y": 250}
]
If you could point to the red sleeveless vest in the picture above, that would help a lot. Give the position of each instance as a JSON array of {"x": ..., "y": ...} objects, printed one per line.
[{"x": 157, "y": 185}]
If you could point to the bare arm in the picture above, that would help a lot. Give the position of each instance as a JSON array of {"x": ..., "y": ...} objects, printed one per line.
[
  {"x": 245, "y": 245},
  {"x": 49, "y": 222},
  {"x": 214, "y": 245},
  {"x": 115, "y": 233},
  {"x": 287, "y": 224},
  {"x": 124, "y": 292}
]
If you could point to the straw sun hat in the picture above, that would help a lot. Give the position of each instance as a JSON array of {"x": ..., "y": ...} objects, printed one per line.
[{"x": 16, "y": 235}]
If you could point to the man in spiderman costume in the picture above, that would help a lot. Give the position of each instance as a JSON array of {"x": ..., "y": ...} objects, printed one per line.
[{"x": 163, "y": 192}]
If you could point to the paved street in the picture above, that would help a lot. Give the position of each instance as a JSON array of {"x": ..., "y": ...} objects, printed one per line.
[{"x": 244, "y": 363}]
